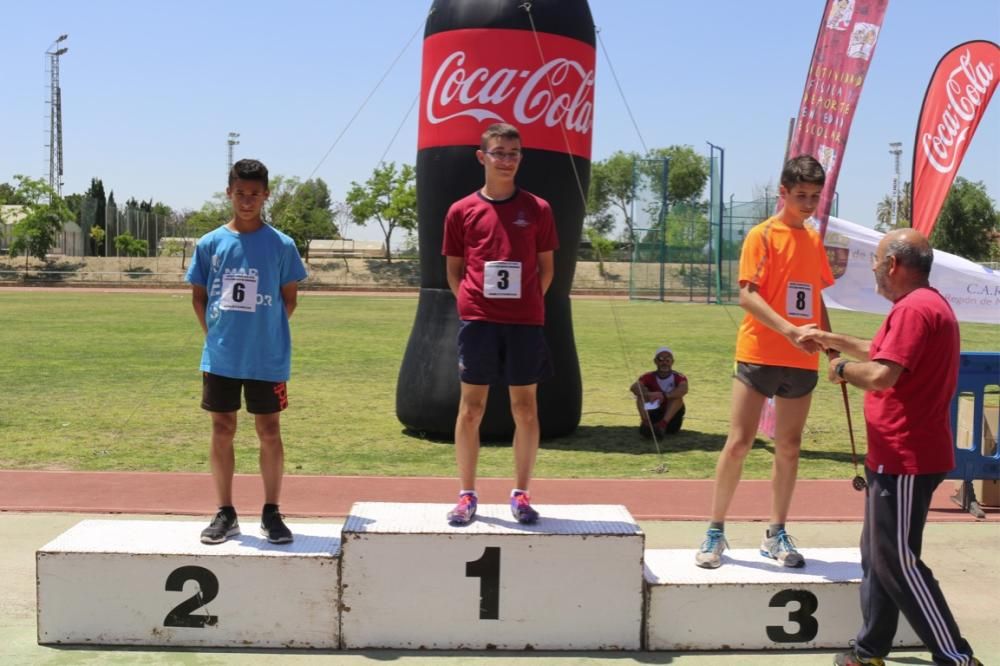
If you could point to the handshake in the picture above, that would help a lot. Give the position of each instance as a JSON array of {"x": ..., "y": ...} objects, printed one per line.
[{"x": 812, "y": 339}]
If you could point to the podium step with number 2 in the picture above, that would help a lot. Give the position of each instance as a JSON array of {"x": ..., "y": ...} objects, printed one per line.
[{"x": 131, "y": 582}]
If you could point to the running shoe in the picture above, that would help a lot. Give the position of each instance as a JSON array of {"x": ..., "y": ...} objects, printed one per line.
[
  {"x": 520, "y": 507},
  {"x": 465, "y": 510},
  {"x": 223, "y": 526},
  {"x": 709, "y": 556},
  {"x": 273, "y": 527},
  {"x": 781, "y": 547}
]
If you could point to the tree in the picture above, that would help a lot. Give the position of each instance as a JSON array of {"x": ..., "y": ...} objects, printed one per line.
[
  {"x": 38, "y": 231},
  {"x": 613, "y": 184},
  {"x": 687, "y": 176},
  {"x": 130, "y": 246},
  {"x": 388, "y": 197},
  {"x": 602, "y": 246},
  {"x": 883, "y": 211},
  {"x": 611, "y": 192},
  {"x": 9, "y": 196},
  {"x": 97, "y": 235},
  {"x": 687, "y": 232},
  {"x": 302, "y": 210},
  {"x": 100, "y": 203},
  {"x": 212, "y": 214},
  {"x": 968, "y": 223}
]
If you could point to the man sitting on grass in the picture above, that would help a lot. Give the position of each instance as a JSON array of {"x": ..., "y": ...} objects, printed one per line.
[{"x": 659, "y": 397}]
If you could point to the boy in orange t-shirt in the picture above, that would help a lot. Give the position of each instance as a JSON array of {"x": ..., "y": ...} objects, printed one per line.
[{"x": 783, "y": 268}]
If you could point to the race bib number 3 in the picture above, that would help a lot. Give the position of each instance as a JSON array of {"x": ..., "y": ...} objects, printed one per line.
[
  {"x": 799, "y": 301},
  {"x": 239, "y": 292},
  {"x": 502, "y": 279}
]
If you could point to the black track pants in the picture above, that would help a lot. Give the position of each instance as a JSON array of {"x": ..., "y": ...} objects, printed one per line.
[{"x": 895, "y": 580}]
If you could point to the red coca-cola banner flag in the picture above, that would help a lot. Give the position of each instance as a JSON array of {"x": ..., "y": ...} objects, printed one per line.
[
  {"x": 476, "y": 77},
  {"x": 844, "y": 48},
  {"x": 958, "y": 93}
]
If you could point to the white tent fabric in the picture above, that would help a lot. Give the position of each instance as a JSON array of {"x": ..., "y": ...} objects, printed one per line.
[{"x": 972, "y": 290}]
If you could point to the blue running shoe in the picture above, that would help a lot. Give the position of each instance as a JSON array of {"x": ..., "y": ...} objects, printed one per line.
[
  {"x": 709, "y": 555},
  {"x": 781, "y": 547}
]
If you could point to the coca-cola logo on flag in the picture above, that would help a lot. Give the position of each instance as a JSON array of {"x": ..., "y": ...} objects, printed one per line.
[
  {"x": 473, "y": 78},
  {"x": 958, "y": 93},
  {"x": 964, "y": 90}
]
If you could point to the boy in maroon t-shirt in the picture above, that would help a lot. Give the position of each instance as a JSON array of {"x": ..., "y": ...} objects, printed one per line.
[{"x": 499, "y": 243}]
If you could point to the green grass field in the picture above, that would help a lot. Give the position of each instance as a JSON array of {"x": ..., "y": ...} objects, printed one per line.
[{"x": 110, "y": 381}]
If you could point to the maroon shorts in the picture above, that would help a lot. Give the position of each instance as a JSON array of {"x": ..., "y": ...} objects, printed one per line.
[{"x": 513, "y": 354}]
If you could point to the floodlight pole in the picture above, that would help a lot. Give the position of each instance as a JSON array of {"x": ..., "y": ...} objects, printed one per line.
[
  {"x": 895, "y": 149},
  {"x": 722, "y": 210},
  {"x": 55, "y": 116},
  {"x": 232, "y": 141}
]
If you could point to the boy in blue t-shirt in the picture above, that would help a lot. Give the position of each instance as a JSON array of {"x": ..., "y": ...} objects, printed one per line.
[{"x": 244, "y": 281}]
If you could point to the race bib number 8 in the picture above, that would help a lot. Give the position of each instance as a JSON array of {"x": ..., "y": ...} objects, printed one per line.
[
  {"x": 502, "y": 279},
  {"x": 239, "y": 292},
  {"x": 799, "y": 301}
]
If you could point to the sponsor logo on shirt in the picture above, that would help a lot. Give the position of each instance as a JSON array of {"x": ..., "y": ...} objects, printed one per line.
[{"x": 521, "y": 220}]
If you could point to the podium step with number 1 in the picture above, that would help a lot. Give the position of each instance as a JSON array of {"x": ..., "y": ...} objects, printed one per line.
[{"x": 572, "y": 581}]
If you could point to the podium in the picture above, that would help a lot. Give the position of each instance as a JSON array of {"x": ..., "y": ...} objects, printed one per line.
[
  {"x": 398, "y": 576},
  {"x": 754, "y": 603},
  {"x": 130, "y": 582},
  {"x": 572, "y": 581}
]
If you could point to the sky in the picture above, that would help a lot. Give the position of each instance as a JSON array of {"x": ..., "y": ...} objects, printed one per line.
[{"x": 151, "y": 91}]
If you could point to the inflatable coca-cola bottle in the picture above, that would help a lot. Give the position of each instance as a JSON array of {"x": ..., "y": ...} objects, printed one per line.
[{"x": 530, "y": 64}]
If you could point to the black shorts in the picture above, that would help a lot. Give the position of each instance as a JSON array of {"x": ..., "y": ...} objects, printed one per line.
[
  {"x": 222, "y": 394},
  {"x": 489, "y": 353},
  {"x": 777, "y": 380},
  {"x": 656, "y": 415}
]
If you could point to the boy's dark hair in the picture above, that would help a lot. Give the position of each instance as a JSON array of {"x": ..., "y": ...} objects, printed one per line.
[
  {"x": 498, "y": 131},
  {"x": 248, "y": 170},
  {"x": 804, "y": 169}
]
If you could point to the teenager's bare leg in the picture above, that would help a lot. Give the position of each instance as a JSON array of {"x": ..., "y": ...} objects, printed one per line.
[
  {"x": 272, "y": 454},
  {"x": 790, "y": 416},
  {"x": 222, "y": 457},
  {"x": 524, "y": 409},
  {"x": 744, "y": 416},
  {"x": 471, "y": 408}
]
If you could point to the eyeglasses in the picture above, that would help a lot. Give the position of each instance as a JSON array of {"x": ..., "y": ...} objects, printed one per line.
[
  {"x": 663, "y": 359},
  {"x": 501, "y": 156}
]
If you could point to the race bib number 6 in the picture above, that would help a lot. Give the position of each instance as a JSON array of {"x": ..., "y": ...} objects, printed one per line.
[
  {"x": 799, "y": 301},
  {"x": 502, "y": 279},
  {"x": 239, "y": 292}
]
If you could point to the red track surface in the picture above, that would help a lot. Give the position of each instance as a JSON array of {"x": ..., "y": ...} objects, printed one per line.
[{"x": 646, "y": 499}]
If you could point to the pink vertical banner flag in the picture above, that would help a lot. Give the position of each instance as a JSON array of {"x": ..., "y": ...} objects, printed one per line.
[
  {"x": 959, "y": 91},
  {"x": 844, "y": 48}
]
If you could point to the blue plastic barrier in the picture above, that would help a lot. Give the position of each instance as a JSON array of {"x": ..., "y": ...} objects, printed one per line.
[{"x": 977, "y": 370}]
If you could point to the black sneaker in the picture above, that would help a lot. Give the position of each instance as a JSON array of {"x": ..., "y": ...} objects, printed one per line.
[
  {"x": 222, "y": 527},
  {"x": 274, "y": 528}
]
